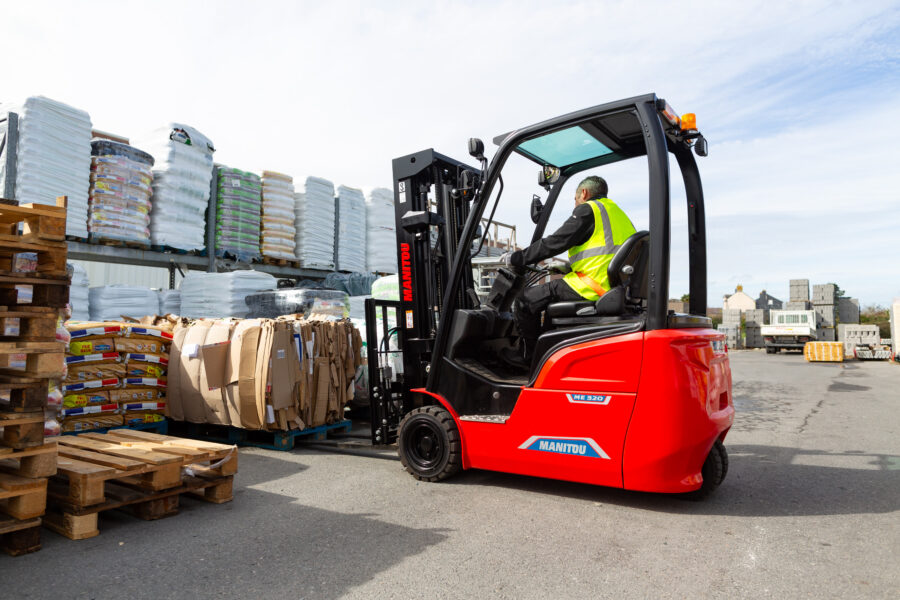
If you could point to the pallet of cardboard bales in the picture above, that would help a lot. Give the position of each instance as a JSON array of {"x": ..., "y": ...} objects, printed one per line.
[{"x": 229, "y": 378}]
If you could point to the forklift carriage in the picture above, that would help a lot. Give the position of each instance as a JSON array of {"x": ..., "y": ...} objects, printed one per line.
[{"x": 621, "y": 392}]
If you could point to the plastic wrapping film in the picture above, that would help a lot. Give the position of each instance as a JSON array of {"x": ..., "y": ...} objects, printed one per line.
[
  {"x": 181, "y": 185},
  {"x": 111, "y": 302},
  {"x": 53, "y": 157},
  {"x": 314, "y": 213},
  {"x": 119, "y": 201},
  {"x": 169, "y": 302},
  {"x": 278, "y": 219},
  {"x": 332, "y": 303},
  {"x": 381, "y": 234},
  {"x": 355, "y": 284},
  {"x": 220, "y": 295},
  {"x": 79, "y": 294},
  {"x": 350, "y": 230},
  {"x": 238, "y": 205}
]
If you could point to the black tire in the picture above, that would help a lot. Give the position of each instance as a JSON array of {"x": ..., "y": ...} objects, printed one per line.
[
  {"x": 428, "y": 444},
  {"x": 715, "y": 468},
  {"x": 770, "y": 350}
]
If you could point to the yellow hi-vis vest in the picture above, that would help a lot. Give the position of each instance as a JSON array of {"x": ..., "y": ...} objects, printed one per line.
[{"x": 591, "y": 259}]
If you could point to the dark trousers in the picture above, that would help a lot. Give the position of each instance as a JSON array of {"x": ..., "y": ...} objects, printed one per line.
[{"x": 532, "y": 302}]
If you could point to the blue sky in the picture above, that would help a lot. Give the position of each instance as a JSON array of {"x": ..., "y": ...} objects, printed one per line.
[{"x": 799, "y": 101}]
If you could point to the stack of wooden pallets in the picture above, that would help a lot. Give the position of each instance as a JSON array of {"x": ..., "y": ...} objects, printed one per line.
[
  {"x": 34, "y": 286},
  {"x": 143, "y": 473}
]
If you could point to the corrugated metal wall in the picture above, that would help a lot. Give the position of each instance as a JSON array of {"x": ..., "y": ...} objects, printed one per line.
[{"x": 110, "y": 274}]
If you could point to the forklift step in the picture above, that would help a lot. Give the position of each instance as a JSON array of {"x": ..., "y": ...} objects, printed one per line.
[
  {"x": 498, "y": 419},
  {"x": 490, "y": 374}
]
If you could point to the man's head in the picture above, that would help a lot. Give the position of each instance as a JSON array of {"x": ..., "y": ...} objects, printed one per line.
[{"x": 590, "y": 188}]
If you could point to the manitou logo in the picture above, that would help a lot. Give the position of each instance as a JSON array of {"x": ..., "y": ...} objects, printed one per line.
[
  {"x": 560, "y": 445},
  {"x": 406, "y": 272}
]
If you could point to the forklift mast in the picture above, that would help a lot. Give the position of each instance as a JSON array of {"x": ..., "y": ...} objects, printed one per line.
[{"x": 432, "y": 197}]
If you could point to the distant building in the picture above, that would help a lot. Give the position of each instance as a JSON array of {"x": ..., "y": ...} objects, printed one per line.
[
  {"x": 767, "y": 302},
  {"x": 678, "y": 306},
  {"x": 739, "y": 300},
  {"x": 714, "y": 313}
]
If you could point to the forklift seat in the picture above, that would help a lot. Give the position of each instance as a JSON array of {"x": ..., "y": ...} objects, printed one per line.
[{"x": 627, "y": 274}]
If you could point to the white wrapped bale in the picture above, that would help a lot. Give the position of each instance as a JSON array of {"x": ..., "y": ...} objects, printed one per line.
[
  {"x": 314, "y": 213},
  {"x": 181, "y": 184},
  {"x": 169, "y": 302},
  {"x": 221, "y": 295},
  {"x": 53, "y": 157},
  {"x": 112, "y": 302},
  {"x": 350, "y": 230},
  {"x": 381, "y": 234},
  {"x": 79, "y": 294}
]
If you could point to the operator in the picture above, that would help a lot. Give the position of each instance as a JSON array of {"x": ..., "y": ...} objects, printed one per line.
[{"x": 592, "y": 236}]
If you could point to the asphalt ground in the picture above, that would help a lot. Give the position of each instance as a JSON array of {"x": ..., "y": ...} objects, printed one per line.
[{"x": 809, "y": 509}]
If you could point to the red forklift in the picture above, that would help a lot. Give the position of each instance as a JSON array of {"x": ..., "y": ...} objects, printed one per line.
[{"x": 621, "y": 392}]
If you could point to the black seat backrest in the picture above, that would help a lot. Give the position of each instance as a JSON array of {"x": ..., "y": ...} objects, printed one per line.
[{"x": 634, "y": 253}]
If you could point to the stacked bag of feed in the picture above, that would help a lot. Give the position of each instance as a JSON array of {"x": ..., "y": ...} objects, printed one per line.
[
  {"x": 220, "y": 295},
  {"x": 181, "y": 185},
  {"x": 238, "y": 202},
  {"x": 169, "y": 302},
  {"x": 119, "y": 201},
  {"x": 113, "y": 302},
  {"x": 314, "y": 212},
  {"x": 79, "y": 294},
  {"x": 53, "y": 157},
  {"x": 116, "y": 375},
  {"x": 277, "y": 374},
  {"x": 350, "y": 230},
  {"x": 278, "y": 231},
  {"x": 381, "y": 234}
]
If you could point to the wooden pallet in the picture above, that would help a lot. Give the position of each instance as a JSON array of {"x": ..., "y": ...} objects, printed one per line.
[
  {"x": 42, "y": 359},
  {"x": 139, "y": 458},
  {"x": 22, "y": 394},
  {"x": 39, "y": 223},
  {"x": 280, "y": 262},
  {"x": 119, "y": 243},
  {"x": 22, "y": 498},
  {"x": 81, "y": 522},
  {"x": 26, "y": 325},
  {"x": 21, "y": 430},
  {"x": 37, "y": 461},
  {"x": 272, "y": 440},
  {"x": 19, "y": 537},
  {"x": 45, "y": 291}
]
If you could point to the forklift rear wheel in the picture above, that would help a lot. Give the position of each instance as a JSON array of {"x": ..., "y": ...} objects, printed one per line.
[
  {"x": 429, "y": 444},
  {"x": 714, "y": 471}
]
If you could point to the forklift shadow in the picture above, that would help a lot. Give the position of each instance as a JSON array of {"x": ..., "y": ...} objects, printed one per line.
[{"x": 761, "y": 481}]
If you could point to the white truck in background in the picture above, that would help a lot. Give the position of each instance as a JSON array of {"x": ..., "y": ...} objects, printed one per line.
[{"x": 789, "y": 329}]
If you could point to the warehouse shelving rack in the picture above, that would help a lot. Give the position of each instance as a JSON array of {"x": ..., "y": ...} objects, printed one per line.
[{"x": 172, "y": 261}]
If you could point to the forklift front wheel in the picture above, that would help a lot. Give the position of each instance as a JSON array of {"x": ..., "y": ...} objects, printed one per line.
[
  {"x": 714, "y": 471},
  {"x": 429, "y": 444}
]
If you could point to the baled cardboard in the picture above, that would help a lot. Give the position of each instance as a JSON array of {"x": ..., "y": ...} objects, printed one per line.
[
  {"x": 192, "y": 401},
  {"x": 213, "y": 393},
  {"x": 173, "y": 396}
]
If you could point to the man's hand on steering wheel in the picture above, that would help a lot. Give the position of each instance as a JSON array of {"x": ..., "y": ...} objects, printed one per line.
[{"x": 559, "y": 269}]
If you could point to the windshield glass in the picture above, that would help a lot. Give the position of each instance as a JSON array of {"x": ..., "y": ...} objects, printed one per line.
[{"x": 564, "y": 147}]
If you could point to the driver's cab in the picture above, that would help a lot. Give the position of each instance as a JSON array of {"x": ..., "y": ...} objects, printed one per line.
[{"x": 563, "y": 151}]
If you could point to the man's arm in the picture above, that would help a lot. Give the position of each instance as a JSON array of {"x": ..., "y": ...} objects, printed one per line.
[{"x": 575, "y": 231}]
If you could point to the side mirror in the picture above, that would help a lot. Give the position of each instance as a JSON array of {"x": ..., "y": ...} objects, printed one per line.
[
  {"x": 701, "y": 147},
  {"x": 476, "y": 148},
  {"x": 547, "y": 176},
  {"x": 537, "y": 208}
]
